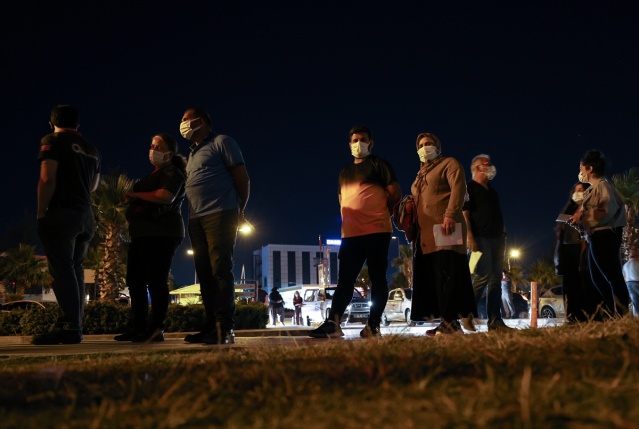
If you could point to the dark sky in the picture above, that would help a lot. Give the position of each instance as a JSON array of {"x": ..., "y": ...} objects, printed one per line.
[{"x": 534, "y": 84}]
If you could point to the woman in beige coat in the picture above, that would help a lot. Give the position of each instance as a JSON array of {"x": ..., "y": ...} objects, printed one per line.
[{"x": 441, "y": 278}]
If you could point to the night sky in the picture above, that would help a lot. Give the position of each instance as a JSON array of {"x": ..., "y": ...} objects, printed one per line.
[{"x": 534, "y": 84}]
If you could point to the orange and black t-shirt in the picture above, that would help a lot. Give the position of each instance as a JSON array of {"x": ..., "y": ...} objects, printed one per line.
[{"x": 364, "y": 203}]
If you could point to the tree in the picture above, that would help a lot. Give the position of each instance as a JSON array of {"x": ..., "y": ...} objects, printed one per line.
[
  {"x": 517, "y": 277},
  {"x": 627, "y": 184},
  {"x": 113, "y": 233},
  {"x": 543, "y": 272},
  {"x": 405, "y": 263},
  {"x": 22, "y": 266}
]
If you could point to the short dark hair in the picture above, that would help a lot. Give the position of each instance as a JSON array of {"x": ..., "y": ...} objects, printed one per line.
[
  {"x": 202, "y": 114},
  {"x": 360, "y": 129},
  {"x": 65, "y": 116},
  {"x": 596, "y": 160}
]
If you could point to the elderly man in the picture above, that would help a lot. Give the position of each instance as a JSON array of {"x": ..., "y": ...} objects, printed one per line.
[{"x": 486, "y": 234}]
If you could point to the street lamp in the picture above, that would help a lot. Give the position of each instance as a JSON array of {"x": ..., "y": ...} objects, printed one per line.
[
  {"x": 191, "y": 253},
  {"x": 399, "y": 255},
  {"x": 514, "y": 253},
  {"x": 246, "y": 228}
]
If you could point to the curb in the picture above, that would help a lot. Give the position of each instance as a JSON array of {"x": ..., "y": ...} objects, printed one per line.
[{"x": 266, "y": 332}]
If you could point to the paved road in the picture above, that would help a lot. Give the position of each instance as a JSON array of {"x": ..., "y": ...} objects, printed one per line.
[{"x": 271, "y": 336}]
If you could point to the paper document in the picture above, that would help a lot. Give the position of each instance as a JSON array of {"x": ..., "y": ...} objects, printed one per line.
[
  {"x": 472, "y": 262},
  {"x": 563, "y": 218},
  {"x": 453, "y": 239}
]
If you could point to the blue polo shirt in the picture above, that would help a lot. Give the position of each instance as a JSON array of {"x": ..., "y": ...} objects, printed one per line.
[{"x": 209, "y": 184}]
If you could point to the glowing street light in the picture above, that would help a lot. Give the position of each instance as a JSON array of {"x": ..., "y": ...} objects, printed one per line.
[
  {"x": 514, "y": 253},
  {"x": 246, "y": 228},
  {"x": 190, "y": 252}
]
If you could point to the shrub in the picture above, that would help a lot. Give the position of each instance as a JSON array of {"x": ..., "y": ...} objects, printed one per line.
[
  {"x": 184, "y": 318},
  {"x": 106, "y": 318},
  {"x": 37, "y": 320},
  {"x": 110, "y": 318}
]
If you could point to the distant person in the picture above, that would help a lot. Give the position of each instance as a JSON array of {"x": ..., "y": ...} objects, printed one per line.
[
  {"x": 367, "y": 192},
  {"x": 486, "y": 234},
  {"x": 581, "y": 298},
  {"x": 277, "y": 306},
  {"x": 262, "y": 296},
  {"x": 631, "y": 275},
  {"x": 297, "y": 303},
  {"x": 441, "y": 275},
  {"x": 69, "y": 173},
  {"x": 156, "y": 228},
  {"x": 217, "y": 188},
  {"x": 603, "y": 216},
  {"x": 507, "y": 296}
]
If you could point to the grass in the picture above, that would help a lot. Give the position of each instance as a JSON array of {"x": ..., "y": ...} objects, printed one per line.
[{"x": 584, "y": 376}]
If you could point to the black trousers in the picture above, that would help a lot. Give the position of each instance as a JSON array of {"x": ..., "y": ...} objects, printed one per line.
[
  {"x": 354, "y": 251},
  {"x": 605, "y": 268},
  {"x": 148, "y": 266}
]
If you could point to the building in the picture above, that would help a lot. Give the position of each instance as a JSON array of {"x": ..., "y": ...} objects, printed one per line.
[{"x": 283, "y": 265}]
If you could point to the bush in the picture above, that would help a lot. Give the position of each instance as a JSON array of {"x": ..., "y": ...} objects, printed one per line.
[
  {"x": 184, "y": 318},
  {"x": 111, "y": 318},
  {"x": 106, "y": 317},
  {"x": 37, "y": 320}
]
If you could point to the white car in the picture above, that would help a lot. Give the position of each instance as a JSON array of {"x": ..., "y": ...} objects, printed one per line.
[
  {"x": 398, "y": 306},
  {"x": 551, "y": 303},
  {"x": 317, "y": 306}
]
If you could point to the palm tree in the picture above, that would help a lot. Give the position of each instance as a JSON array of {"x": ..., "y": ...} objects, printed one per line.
[
  {"x": 113, "y": 233},
  {"x": 543, "y": 272},
  {"x": 22, "y": 266},
  {"x": 628, "y": 186},
  {"x": 405, "y": 263}
]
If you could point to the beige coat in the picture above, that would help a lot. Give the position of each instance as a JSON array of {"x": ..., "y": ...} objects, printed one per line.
[{"x": 439, "y": 191}]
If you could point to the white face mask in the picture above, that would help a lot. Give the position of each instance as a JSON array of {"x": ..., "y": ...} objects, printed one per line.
[
  {"x": 159, "y": 158},
  {"x": 360, "y": 149},
  {"x": 578, "y": 197},
  {"x": 427, "y": 153},
  {"x": 490, "y": 172},
  {"x": 186, "y": 130},
  {"x": 582, "y": 178}
]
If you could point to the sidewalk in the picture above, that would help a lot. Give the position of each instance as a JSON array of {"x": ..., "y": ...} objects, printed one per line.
[{"x": 302, "y": 331}]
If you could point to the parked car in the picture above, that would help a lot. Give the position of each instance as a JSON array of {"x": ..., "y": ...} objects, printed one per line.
[
  {"x": 317, "y": 306},
  {"x": 23, "y": 304},
  {"x": 551, "y": 303},
  {"x": 398, "y": 306}
]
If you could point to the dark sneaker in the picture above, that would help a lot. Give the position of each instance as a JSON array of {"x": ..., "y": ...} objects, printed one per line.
[
  {"x": 58, "y": 336},
  {"x": 499, "y": 325},
  {"x": 155, "y": 336},
  {"x": 221, "y": 335},
  {"x": 468, "y": 323},
  {"x": 370, "y": 330},
  {"x": 328, "y": 329},
  {"x": 195, "y": 338},
  {"x": 445, "y": 329}
]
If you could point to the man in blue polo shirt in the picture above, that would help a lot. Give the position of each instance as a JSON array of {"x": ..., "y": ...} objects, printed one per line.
[{"x": 217, "y": 188}]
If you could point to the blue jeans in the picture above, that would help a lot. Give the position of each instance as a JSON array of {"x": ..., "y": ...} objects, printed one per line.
[
  {"x": 65, "y": 234},
  {"x": 213, "y": 241},
  {"x": 354, "y": 251},
  {"x": 148, "y": 266},
  {"x": 633, "y": 289},
  {"x": 488, "y": 273}
]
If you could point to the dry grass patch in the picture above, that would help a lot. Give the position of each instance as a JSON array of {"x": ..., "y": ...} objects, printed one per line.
[{"x": 584, "y": 376}]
